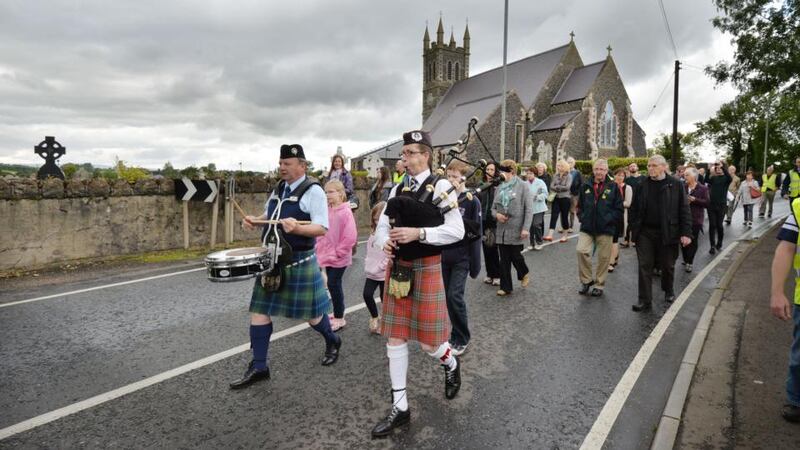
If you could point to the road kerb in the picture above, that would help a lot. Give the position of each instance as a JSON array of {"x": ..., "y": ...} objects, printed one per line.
[{"x": 670, "y": 420}]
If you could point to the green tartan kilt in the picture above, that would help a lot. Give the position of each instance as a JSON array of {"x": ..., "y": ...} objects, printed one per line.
[{"x": 302, "y": 294}]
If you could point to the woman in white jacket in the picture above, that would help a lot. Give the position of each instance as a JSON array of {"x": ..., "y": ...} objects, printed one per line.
[
  {"x": 627, "y": 197},
  {"x": 748, "y": 201}
]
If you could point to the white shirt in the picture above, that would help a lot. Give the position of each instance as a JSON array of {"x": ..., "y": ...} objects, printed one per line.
[
  {"x": 313, "y": 202},
  {"x": 452, "y": 230}
]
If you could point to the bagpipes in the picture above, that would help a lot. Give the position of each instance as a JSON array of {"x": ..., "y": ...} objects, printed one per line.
[{"x": 414, "y": 210}]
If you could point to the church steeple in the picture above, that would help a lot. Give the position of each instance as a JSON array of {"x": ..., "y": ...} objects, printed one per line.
[{"x": 443, "y": 64}]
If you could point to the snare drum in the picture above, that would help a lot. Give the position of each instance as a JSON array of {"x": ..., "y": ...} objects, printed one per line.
[{"x": 236, "y": 264}]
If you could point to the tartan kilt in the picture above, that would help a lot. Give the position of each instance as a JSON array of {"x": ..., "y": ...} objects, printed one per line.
[
  {"x": 302, "y": 295},
  {"x": 422, "y": 315}
]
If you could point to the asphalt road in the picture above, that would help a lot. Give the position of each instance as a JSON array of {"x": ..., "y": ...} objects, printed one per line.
[{"x": 542, "y": 364}]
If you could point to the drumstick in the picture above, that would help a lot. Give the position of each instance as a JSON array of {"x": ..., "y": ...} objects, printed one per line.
[
  {"x": 239, "y": 208},
  {"x": 273, "y": 222}
]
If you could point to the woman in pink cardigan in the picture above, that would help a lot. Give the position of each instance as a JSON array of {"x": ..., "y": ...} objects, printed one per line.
[{"x": 335, "y": 248}]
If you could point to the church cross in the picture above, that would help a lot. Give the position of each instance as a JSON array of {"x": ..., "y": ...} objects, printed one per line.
[{"x": 571, "y": 36}]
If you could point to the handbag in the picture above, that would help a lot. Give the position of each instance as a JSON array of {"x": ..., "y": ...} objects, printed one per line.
[
  {"x": 489, "y": 237},
  {"x": 551, "y": 196},
  {"x": 755, "y": 192}
]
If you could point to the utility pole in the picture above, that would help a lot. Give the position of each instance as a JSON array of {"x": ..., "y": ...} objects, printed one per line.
[
  {"x": 674, "y": 159},
  {"x": 505, "y": 85}
]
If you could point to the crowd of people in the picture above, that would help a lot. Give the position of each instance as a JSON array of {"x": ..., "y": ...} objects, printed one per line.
[{"x": 419, "y": 259}]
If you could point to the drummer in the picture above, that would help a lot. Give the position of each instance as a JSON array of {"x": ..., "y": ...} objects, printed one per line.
[{"x": 302, "y": 293}]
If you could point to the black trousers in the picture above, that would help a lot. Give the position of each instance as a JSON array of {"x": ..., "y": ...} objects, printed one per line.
[
  {"x": 511, "y": 255},
  {"x": 690, "y": 250},
  {"x": 651, "y": 251},
  {"x": 716, "y": 214},
  {"x": 491, "y": 259},
  {"x": 369, "y": 295},
  {"x": 560, "y": 209}
]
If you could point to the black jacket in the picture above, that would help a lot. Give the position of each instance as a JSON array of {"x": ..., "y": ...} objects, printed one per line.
[
  {"x": 601, "y": 215},
  {"x": 577, "y": 182},
  {"x": 676, "y": 220}
]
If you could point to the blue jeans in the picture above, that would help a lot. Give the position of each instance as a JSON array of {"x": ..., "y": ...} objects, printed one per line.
[
  {"x": 335, "y": 275},
  {"x": 455, "y": 281},
  {"x": 793, "y": 380}
]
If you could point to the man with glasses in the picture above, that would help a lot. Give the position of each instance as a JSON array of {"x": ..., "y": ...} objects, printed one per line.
[
  {"x": 420, "y": 315},
  {"x": 660, "y": 220}
]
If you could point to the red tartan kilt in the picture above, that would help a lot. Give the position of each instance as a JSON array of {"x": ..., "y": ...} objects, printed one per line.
[{"x": 422, "y": 315}]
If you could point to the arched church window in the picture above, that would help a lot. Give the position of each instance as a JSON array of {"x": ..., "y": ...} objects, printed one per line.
[
  {"x": 608, "y": 127},
  {"x": 458, "y": 72},
  {"x": 449, "y": 70}
]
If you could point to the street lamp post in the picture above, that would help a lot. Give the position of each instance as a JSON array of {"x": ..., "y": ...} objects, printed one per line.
[{"x": 505, "y": 83}]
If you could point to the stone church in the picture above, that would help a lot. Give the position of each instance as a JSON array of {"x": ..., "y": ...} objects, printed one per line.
[{"x": 556, "y": 106}]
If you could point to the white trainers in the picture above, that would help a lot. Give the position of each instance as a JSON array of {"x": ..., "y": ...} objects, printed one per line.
[
  {"x": 538, "y": 247},
  {"x": 458, "y": 350}
]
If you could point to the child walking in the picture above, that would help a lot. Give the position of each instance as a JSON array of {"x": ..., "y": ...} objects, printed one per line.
[{"x": 375, "y": 269}]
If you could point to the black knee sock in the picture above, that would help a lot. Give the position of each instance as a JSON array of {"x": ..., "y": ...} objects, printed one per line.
[{"x": 324, "y": 328}]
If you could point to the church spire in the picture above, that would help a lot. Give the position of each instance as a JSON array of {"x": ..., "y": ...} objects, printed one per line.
[
  {"x": 440, "y": 32},
  {"x": 426, "y": 40},
  {"x": 466, "y": 36},
  {"x": 452, "y": 39}
]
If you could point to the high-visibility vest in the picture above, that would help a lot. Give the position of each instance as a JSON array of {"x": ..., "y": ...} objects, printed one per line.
[
  {"x": 796, "y": 262},
  {"x": 398, "y": 177},
  {"x": 794, "y": 184},
  {"x": 769, "y": 182}
]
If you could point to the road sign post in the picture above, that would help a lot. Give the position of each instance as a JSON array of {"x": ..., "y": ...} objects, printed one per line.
[{"x": 206, "y": 191}]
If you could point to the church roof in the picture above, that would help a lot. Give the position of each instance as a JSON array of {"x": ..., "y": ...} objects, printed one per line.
[
  {"x": 479, "y": 95},
  {"x": 577, "y": 84},
  {"x": 555, "y": 121}
]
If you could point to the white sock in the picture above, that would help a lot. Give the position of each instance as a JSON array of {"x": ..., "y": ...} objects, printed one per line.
[
  {"x": 398, "y": 369},
  {"x": 444, "y": 355}
]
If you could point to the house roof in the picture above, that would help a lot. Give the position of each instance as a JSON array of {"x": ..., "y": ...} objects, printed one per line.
[
  {"x": 577, "y": 84},
  {"x": 555, "y": 121},
  {"x": 390, "y": 150},
  {"x": 480, "y": 94}
]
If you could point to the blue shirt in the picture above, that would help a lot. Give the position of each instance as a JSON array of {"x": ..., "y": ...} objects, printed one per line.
[{"x": 313, "y": 202}]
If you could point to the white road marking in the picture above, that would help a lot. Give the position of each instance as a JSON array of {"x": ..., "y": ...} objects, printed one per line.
[
  {"x": 147, "y": 382},
  {"x": 555, "y": 241},
  {"x": 105, "y": 286},
  {"x": 605, "y": 421}
]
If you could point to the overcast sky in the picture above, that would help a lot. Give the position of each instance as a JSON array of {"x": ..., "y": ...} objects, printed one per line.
[{"x": 194, "y": 82}]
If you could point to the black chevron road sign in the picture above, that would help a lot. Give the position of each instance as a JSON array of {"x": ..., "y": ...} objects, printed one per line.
[{"x": 195, "y": 190}]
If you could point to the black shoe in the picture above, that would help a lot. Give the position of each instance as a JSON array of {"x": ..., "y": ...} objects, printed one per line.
[
  {"x": 669, "y": 298},
  {"x": 395, "y": 419},
  {"x": 688, "y": 268},
  {"x": 656, "y": 272},
  {"x": 727, "y": 222},
  {"x": 331, "y": 353},
  {"x": 596, "y": 292},
  {"x": 639, "y": 307},
  {"x": 452, "y": 380},
  {"x": 712, "y": 250},
  {"x": 760, "y": 216},
  {"x": 585, "y": 288},
  {"x": 791, "y": 413},
  {"x": 719, "y": 247},
  {"x": 769, "y": 216},
  {"x": 250, "y": 376}
]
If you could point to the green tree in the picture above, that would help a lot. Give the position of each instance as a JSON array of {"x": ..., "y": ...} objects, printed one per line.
[
  {"x": 687, "y": 147},
  {"x": 131, "y": 174},
  {"x": 169, "y": 172},
  {"x": 731, "y": 127},
  {"x": 190, "y": 172},
  {"x": 69, "y": 170},
  {"x": 766, "y": 37}
]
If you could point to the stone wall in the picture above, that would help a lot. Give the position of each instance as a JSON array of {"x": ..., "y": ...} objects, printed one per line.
[{"x": 51, "y": 221}]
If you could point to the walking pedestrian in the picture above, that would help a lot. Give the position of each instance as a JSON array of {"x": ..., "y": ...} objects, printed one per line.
[
  {"x": 660, "y": 219},
  {"x": 380, "y": 190},
  {"x": 786, "y": 258},
  {"x": 791, "y": 183},
  {"x": 513, "y": 209},
  {"x": 375, "y": 270},
  {"x": 746, "y": 192},
  {"x": 335, "y": 248},
  {"x": 562, "y": 181},
  {"x": 769, "y": 184},
  {"x": 491, "y": 255},
  {"x": 600, "y": 208},
  {"x": 697, "y": 195},
  {"x": 421, "y": 314},
  {"x": 574, "y": 191},
  {"x": 339, "y": 172},
  {"x": 735, "y": 197},
  {"x": 459, "y": 262},
  {"x": 632, "y": 179},
  {"x": 539, "y": 192},
  {"x": 541, "y": 173},
  {"x": 626, "y": 193},
  {"x": 302, "y": 294},
  {"x": 718, "y": 181}
]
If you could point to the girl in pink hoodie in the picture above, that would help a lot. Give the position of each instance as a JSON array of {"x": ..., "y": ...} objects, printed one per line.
[
  {"x": 375, "y": 269},
  {"x": 335, "y": 248}
]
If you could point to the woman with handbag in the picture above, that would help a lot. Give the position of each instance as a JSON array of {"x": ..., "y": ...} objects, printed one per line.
[
  {"x": 491, "y": 257},
  {"x": 750, "y": 193}
]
